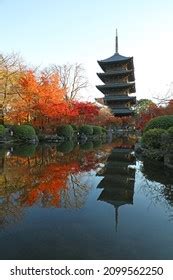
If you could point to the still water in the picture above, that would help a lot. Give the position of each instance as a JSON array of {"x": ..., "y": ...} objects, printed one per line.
[{"x": 88, "y": 201}]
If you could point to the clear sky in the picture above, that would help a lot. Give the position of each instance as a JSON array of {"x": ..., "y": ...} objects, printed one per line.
[{"x": 83, "y": 31}]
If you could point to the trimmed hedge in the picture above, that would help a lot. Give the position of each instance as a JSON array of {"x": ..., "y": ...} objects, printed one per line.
[
  {"x": 152, "y": 138},
  {"x": 97, "y": 130},
  {"x": 104, "y": 130},
  {"x": 86, "y": 129},
  {"x": 75, "y": 128},
  {"x": 87, "y": 145},
  {"x": 24, "y": 132},
  {"x": 2, "y": 130},
  {"x": 66, "y": 147},
  {"x": 163, "y": 122},
  {"x": 170, "y": 130},
  {"x": 66, "y": 131},
  {"x": 24, "y": 150},
  {"x": 97, "y": 143}
]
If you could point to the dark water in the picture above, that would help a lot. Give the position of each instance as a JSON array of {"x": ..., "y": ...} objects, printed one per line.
[{"x": 93, "y": 201}]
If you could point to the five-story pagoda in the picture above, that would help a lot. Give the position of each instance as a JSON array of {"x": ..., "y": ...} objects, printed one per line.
[{"x": 119, "y": 83}]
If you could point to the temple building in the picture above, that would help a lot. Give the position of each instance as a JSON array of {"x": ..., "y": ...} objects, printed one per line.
[{"x": 119, "y": 83}]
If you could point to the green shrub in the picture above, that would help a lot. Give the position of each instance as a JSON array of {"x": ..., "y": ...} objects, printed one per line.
[
  {"x": 163, "y": 122},
  {"x": 104, "y": 130},
  {"x": 170, "y": 130},
  {"x": 75, "y": 128},
  {"x": 24, "y": 150},
  {"x": 86, "y": 146},
  {"x": 66, "y": 147},
  {"x": 2, "y": 130},
  {"x": 24, "y": 132},
  {"x": 97, "y": 143},
  {"x": 66, "y": 131},
  {"x": 97, "y": 130},
  {"x": 152, "y": 138},
  {"x": 86, "y": 129}
]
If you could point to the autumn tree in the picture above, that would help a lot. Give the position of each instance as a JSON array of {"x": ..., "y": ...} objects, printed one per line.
[
  {"x": 41, "y": 98},
  {"x": 142, "y": 105},
  {"x": 104, "y": 116},
  {"x": 85, "y": 112},
  {"x": 151, "y": 112},
  {"x": 23, "y": 107},
  {"x": 11, "y": 69},
  {"x": 169, "y": 108}
]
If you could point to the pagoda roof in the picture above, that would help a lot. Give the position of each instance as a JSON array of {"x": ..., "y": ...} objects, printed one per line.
[
  {"x": 120, "y": 98},
  {"x": 121, "y": 111},
  {"x": 129, "y": 73},
  {"x": 117, "y": 182},
  {"x": 116, "y": 199},
  {"x": 102, "y": 88},
  {"x": 116, "y": 59}
]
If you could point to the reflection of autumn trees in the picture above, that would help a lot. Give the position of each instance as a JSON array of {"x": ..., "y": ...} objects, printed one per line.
[
  {"x": 10, "y": 211},
  {"x": 47, "y": 178},
  {"x": 51, "y": 180},
  {"x": 59, "y": 180},
  {"x": 9, "y": 192}
]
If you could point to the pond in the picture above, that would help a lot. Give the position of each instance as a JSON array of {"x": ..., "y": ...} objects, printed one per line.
[{"x": 84, "y": 201}]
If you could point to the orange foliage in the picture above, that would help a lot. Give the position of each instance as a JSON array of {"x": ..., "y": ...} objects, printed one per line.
[
  {"x": 53, "y": 179},
  {"x": 42, "y": 102},
  {"x": 23, "y": 107},
  {"x": 83, "y": 112},
  {"x": 38, "y": 99}
]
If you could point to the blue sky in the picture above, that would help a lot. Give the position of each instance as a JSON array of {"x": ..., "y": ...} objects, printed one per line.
[{"x": 61, "y": 31}]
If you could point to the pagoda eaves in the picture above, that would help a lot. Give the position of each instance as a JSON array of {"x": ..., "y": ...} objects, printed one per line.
[{"x": 119, "y": 73}]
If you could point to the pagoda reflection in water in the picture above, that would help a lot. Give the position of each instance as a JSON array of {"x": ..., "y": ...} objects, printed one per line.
[{"x": 119, "y": 178}]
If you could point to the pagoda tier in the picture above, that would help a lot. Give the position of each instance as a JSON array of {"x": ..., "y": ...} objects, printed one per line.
[
  {"x": 122, "y": 112},
  {"x": 125, "y": 98},
  {"x": 119, "y": 74},
  {"x": 117, "y": 87},
  {"x": 119, "y": 82},
  {"x": 121, "y": 63}
]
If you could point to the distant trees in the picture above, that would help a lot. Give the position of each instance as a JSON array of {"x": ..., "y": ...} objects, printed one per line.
[{"x": 143, "y": 105}]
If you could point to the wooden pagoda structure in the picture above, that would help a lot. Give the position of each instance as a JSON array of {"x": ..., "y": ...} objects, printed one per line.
[{"x": 119, "y": 82}]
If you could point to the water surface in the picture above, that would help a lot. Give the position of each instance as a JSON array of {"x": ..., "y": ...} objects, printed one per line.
[{"x": 88, "y": 201}]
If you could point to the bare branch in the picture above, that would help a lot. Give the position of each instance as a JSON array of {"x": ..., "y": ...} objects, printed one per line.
[
  {"x": 72, "y": 78},
  {"x": 163, "y": 100}
]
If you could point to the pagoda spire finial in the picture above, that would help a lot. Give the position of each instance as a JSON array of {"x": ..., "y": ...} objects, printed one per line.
[{"x": 116, "y": 41}]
